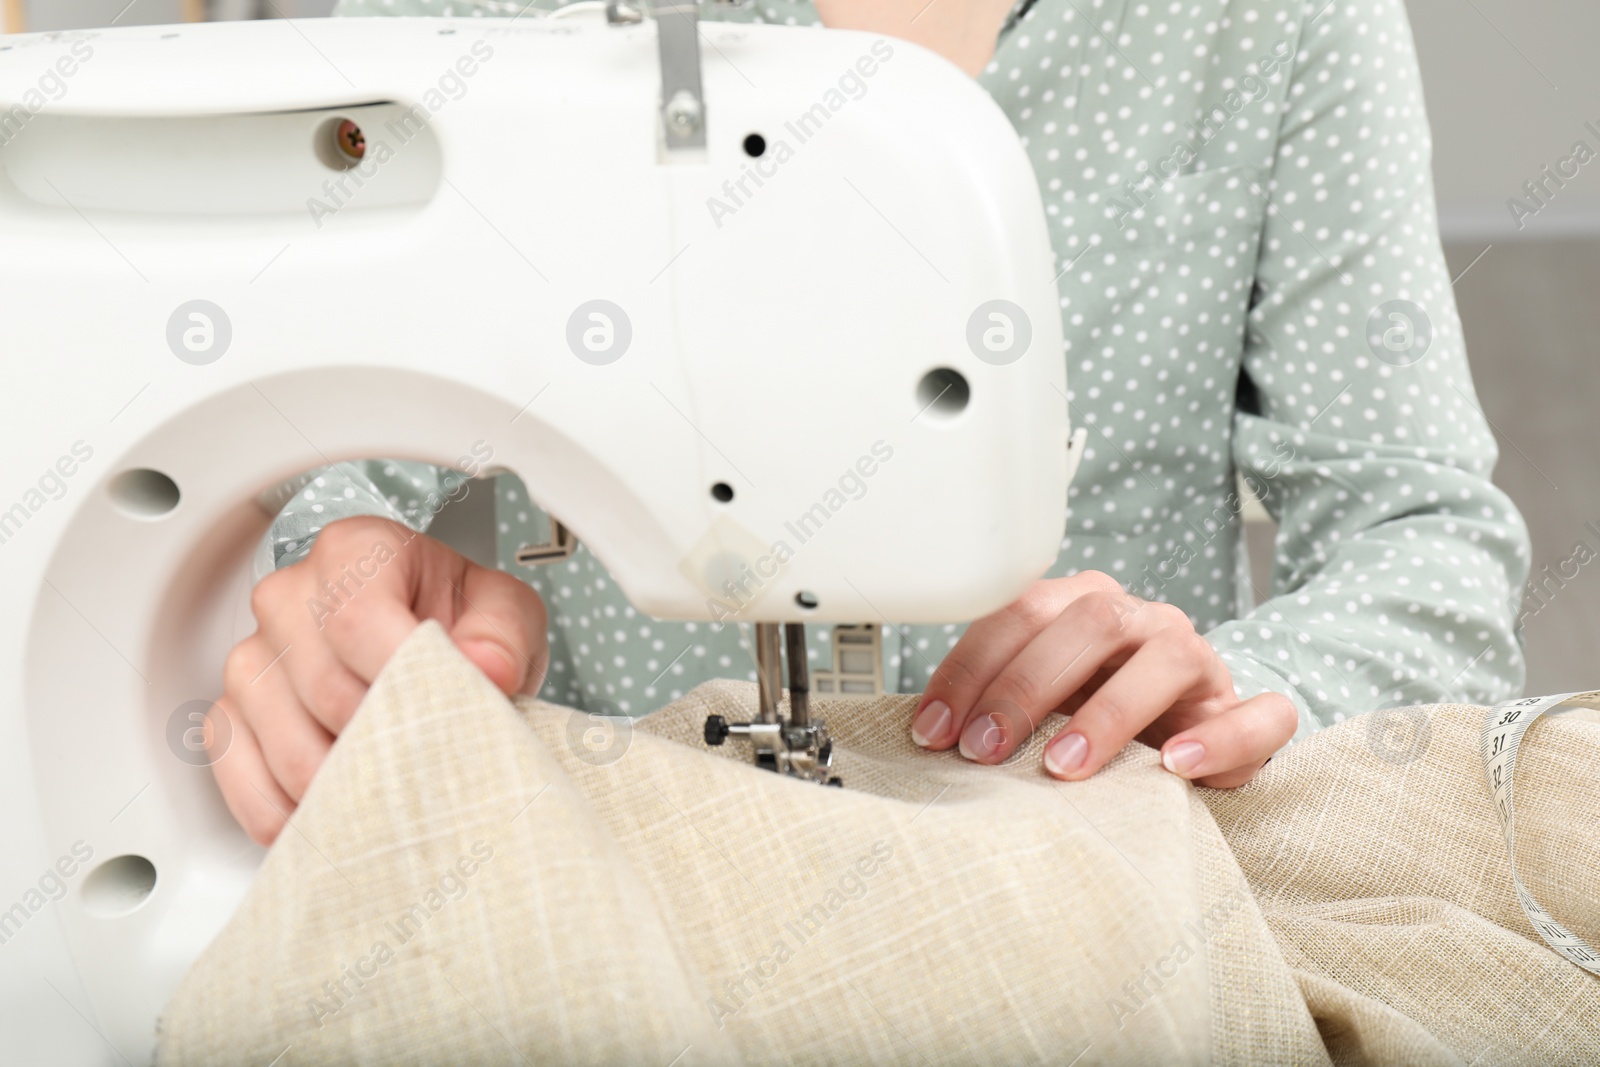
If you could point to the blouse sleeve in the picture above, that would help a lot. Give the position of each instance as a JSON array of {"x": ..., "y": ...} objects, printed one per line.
[
  {"x": 402, "y": 490},
  {"x": 1397, "y": 563}
]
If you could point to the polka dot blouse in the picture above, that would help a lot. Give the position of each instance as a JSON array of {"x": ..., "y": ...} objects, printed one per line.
[{"x": 1252, "y": 294}]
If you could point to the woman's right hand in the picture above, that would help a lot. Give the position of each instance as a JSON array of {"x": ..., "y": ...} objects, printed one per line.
[{"x": 324, "y": 629}]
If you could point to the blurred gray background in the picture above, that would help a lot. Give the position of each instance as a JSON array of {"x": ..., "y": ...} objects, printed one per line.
[{"x": 1510, "y": 85}]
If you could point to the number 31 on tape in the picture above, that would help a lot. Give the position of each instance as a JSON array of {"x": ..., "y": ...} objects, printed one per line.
[{"x": 1502, "y": 736}]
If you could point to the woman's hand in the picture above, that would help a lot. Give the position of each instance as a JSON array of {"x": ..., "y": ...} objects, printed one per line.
[
  {"x": 1125, "y": 669},
  {"x": 324, "y": 629}
]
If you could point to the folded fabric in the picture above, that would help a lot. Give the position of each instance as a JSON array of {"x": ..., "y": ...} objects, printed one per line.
[{"x": 472, "y": 881}]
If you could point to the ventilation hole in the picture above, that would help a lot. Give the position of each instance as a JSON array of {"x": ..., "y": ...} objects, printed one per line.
[
  {"x": 144, "y": 493},
  {"x": 755, "y": 146},
  {"x": 806, "y": 599},
  {"x": 118, "y": 886},
  {"x": 943, "y": 394},
  {"x": 722, "y": 491}
]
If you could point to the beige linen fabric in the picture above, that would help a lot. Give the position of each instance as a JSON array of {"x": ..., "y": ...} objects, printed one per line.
[
  {"x": 473, "y": 882},
  {"x": 1376, "y": 857}
]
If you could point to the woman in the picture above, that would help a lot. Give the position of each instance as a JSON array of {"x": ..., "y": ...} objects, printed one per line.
[{"x": 1251, "y": 285}]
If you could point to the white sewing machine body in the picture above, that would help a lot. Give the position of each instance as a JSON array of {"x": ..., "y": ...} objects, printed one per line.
[{"x": 783, "y": 330}]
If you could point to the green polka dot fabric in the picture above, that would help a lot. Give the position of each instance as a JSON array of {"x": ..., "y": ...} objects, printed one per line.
[{"x": 1252, "y": 288}]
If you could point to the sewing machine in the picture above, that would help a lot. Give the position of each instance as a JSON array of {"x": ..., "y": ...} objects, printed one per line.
[{"x": 783, "y": 288}]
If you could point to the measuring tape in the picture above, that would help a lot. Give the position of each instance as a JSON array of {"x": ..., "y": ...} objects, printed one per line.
[{"x": 1502, "y": 736}]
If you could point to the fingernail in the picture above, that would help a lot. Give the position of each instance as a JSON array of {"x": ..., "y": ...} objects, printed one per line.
[
  {"x": 1065, "y": 754},
  {"x": 931, "y": 724},
  {"x": 1183, "y": 757},
  {"x": 983, "y": 736},
  {"x": 514, "y": 669}
]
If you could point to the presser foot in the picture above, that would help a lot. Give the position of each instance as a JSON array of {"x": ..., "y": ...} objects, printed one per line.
[
  {"x": 798, "y": 751},
  {"x": 796, "y": 744}
]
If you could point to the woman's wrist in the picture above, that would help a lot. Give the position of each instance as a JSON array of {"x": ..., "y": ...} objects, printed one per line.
[{"x": 963, "y": 31}]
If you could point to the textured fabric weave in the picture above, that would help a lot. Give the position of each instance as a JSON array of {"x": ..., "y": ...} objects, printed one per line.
[
  {"x": 470, "y": 881},
  {"x": 1376, "y": 857}
]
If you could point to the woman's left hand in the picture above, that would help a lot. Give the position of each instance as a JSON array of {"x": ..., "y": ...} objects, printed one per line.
[{"x": 1125, "y": 669}]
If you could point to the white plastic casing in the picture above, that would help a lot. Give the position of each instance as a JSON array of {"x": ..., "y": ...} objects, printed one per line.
[{"x": 777, "y": 346}]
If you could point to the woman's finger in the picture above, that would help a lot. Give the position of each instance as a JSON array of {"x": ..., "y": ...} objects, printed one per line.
[
  {"x": 252, "y": 794},
  {"x": 292, "y": 742},
  {"x": 983, "y": 652},
  {"x": 310, "y": 676},
  {"x": 502, "y": 630},
  {"x": 377, "y": 571},
  {"x": 1227, "y": 750},
  {"x": 1095, "y": 634},
  {"x": 1175, "y": 664}
]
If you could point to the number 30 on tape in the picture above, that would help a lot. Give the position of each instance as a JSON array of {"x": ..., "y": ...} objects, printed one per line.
[{"x": 1502, "y": 736}]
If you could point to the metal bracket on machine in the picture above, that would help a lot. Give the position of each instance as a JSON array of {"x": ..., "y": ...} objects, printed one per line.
[{"x": 683, "y": 104}]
